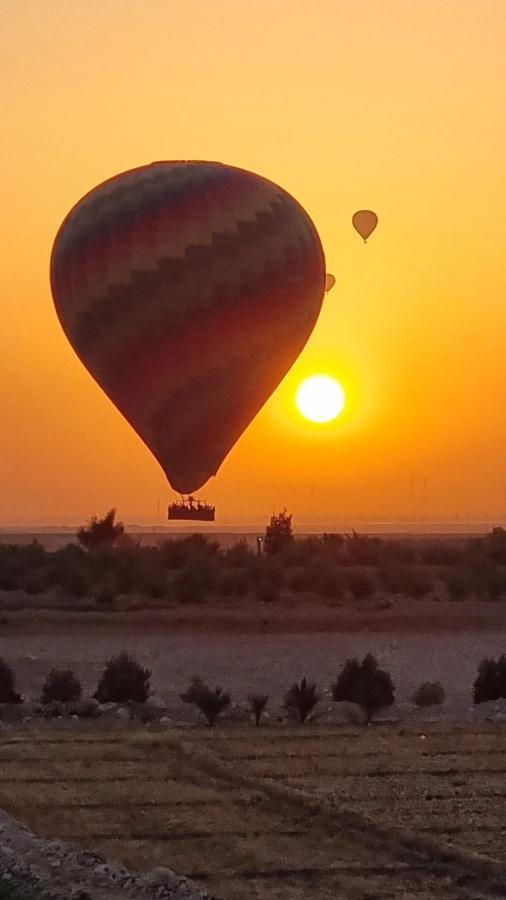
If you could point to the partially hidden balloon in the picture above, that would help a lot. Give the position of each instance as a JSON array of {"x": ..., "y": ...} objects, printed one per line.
[
  {"x": 364, "y": 221},
  {"x": 329, "y": 282},
  {"x": 188, "y": 289}
]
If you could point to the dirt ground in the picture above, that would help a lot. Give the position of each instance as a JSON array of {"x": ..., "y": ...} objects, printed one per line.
[{"x": 276, "y": 813}]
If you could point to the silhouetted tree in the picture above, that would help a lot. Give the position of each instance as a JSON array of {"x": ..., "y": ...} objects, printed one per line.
[
  {"x": 100, "y": 533},
  {"x": 211, "y": 703},
  {"x": 300, "y": 700},
  {"x": 279, "y": 533},
  {"x": 123, "y": 681},
  {"x": 365, "y": 684},
  {"x": 258, "y": 702},
  {"x": 8, "y": 694},
  {"x": 491, "y": 681},
  {"x": 61, "y": 685}
]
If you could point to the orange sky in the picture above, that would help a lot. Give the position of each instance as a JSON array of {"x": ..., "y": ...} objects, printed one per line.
[{"x": 396, "y": 105}]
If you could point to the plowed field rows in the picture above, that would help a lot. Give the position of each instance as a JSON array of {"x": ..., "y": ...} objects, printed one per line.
[{"x": 273, "y": 812}]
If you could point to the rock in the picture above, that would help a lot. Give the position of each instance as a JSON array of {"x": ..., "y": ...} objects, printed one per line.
[
  {"x": 87, "y": 709},
  {"x": 122, "y": 713},
  {"x": 166, "y": 720},
  {"x": 155, "y": 702},
  {"x": 104, "y": 708}
]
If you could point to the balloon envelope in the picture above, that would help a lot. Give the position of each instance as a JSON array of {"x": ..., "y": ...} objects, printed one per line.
[
  {"x": 188, "y": 289},
  {"x": 364, "y": 221},
  {"x": 329, "y": 282}
]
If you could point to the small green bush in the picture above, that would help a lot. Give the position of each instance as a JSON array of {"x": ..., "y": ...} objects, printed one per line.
[
  {"x": 123, "y": 681},
  {"x": 210, "y": 703},
  {"x": 61, "y": 686},
  {"x": 429, "y": 693},
  {"x": 300, "y": 700}
]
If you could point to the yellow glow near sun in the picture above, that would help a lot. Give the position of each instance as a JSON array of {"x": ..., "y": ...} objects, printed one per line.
[{"x": 320, "y": 398}]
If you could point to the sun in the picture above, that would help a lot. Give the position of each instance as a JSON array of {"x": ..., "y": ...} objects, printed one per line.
[{"x": 320, "y": 398}]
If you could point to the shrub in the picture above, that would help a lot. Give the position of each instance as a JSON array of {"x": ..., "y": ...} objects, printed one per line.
[
  {"x": 8, "y": 581},
  {"x": 490, "y": 683},
  {"x": 495, "y": 583},
  {"x": 458, "y": 585},
  {"x": 363, "y": 550},
  {"x": 123, "y": 681},
  {"x": 365, "y": 684},
  {"x": 238, "y": 555},
  {"x": 78, "y": 583},
  {"x": 267, "y": 592},
  {"x": 429, "y": 693},
  {"x": 233, "y": 583},
  {"x": 278, "y": 533},
  {"x": 440, "y": 553},
  {"x": 105, "y": 595},
  {"x": 210, "y": 703},
  {"x": 496, "y": 545},
  {"x": 174, "y": 554},
  {"x": 300, "y": 700},
  {"x": 360, "y": 585},
  {"x": 36, "y": 582},
  {"x": 155, "y": 585},
  {"x": 302, "y": 580},
  {"x": 258, "y": 702},
  {"x": 62, "y": 686},
  {"x": 419, "y": 585},
  {"x": 263, "y": 569},
  {"x": 189, "y": 585},
  {"x": 404, "y": 579},
  {"x": 329, "y": 584},
  {"x": 8, "y": 694},
  {"x": 99, "y": 533}
]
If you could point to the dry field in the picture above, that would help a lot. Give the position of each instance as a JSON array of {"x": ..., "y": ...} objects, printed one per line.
[{"x": 276, "y": 812}]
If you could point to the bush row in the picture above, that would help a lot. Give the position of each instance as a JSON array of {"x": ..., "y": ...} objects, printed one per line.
[
  {"x": 363, "y": 683},
  {"x": 189, "y": 570}
]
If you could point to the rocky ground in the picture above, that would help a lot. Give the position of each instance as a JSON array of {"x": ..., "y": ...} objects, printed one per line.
[{"x": 59, "y": 871}]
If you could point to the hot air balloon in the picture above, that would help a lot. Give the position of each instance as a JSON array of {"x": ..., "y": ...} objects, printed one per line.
[
  {"x": 329, "y": 282},
  {"x": 364, "y": 221},
  {"x": 188, "y": 289}
]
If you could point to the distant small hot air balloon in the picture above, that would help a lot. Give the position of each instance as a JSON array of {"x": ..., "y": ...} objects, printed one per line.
[
  {"x": 329, "y": 282},
  {"x": 364, "y": 221},
  {"x": 188, "y": 290}
]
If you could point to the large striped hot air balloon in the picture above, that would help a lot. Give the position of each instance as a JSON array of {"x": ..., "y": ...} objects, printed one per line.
[{"x": 188, "y": 289}]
